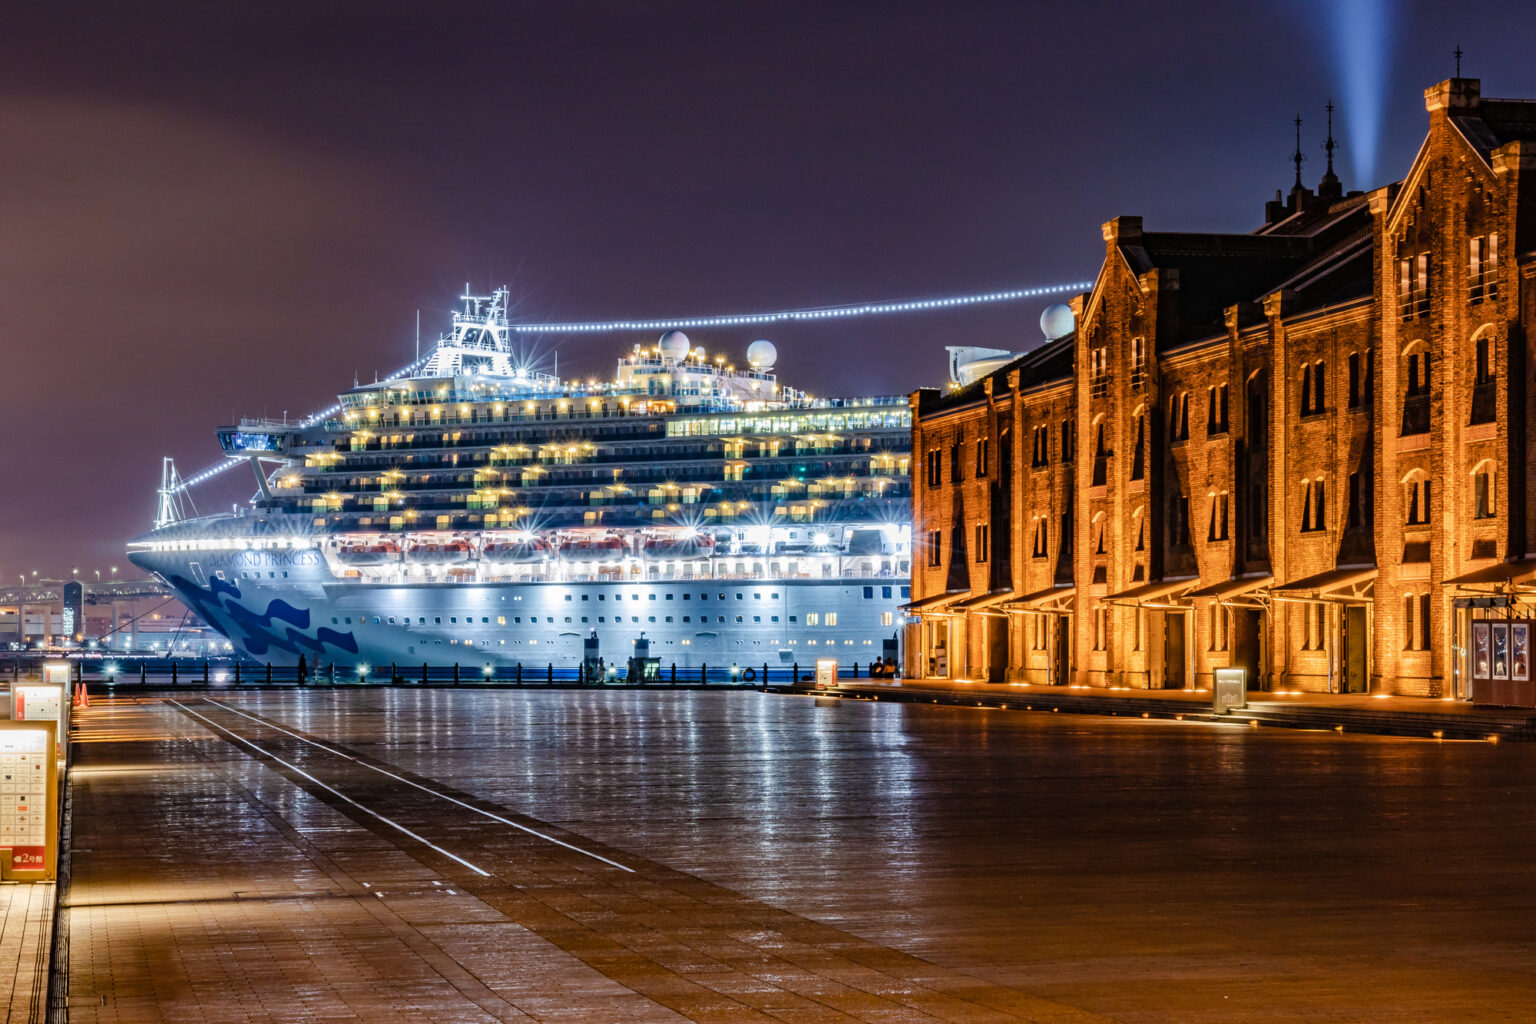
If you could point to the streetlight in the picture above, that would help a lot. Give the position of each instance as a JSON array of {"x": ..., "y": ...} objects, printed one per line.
[{"x": 98, "y": 575}]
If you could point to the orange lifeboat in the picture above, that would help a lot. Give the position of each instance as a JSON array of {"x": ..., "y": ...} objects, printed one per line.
[
  {"x": 448, "y": 552},
  {"x": 368, "y": 552},
  {"x": 604, "y": 549},
  {"x": 534, "y": 549},
  {"x": 663, "y": 548}
]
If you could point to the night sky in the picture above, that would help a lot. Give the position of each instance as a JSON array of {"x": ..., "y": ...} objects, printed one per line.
[{"x": 210, "y": 210}]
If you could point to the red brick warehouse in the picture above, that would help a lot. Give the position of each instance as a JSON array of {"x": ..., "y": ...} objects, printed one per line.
[{"x": 1301, "y": 451}]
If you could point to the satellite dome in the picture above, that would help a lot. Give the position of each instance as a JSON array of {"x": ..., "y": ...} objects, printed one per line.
[
  {"x": 675, "y": 345},
  {"x": 762, "y": 355},
  {"x": 1057, "y": 321}
]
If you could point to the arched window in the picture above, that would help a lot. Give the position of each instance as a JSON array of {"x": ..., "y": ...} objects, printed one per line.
[
  {"x": 1484, "y": 496},
  {"x": 1416, "y": 374},
  {"x": 1221, "y": 507},
  {"x": 1484, "y": 387},
  {"x": 1218, "y": 626},
  {"x": 1312, "y": 506},
  {"x": 1178, "y": 417},
  {"x": 1415, "y": 622},
  {"x": 1100, "y": 452},
  {"x": 1138, "y": 454},
  {"x": 1416, "y": 496},
  {"x": 1098, "y": 534}
]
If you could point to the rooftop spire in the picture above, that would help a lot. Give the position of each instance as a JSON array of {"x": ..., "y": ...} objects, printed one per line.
[
  {"x": 1329, "y": 188},
  {"x": 1297, "y": 157},
  {"x": 1457, "y": 53}
]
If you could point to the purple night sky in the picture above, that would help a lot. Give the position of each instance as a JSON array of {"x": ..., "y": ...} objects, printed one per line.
[{"x": 210, "y": 210}]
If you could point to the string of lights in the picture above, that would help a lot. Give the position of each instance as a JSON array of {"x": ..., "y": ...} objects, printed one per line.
[
  {"x": 803, "y": 315},
  {"x": 807, "y": 315}
]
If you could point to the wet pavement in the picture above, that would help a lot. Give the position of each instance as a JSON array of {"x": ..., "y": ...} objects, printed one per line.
[{"x": 655, "y": 856}]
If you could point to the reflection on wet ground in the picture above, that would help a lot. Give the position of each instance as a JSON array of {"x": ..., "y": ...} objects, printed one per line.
[{"x": 405, "y": 854}]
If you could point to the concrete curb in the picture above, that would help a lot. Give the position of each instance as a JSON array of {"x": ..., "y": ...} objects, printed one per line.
[{"x": 1490, "y": 725}]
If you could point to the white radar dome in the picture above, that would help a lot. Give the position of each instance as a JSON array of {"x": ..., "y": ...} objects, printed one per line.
[
  {"x": 1057, "y": 321},
  {"x": 762, "y": 354},
  {"x": 675, "y": 345}
]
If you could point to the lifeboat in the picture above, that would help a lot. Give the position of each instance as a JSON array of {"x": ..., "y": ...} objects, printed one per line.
[
  {"x": 606, "y": 549},
  {"x": 448, "y": 552},
  {"x": 665, "y": 548},
  {"x": 368, "y": 552},
  {"x": 535, "y": 549}
]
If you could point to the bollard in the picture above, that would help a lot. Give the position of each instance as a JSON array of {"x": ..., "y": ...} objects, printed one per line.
[
  {"x": 455, "y": 673},
  {"x": 704, "y": 673},
  {"x": 674, "y": 673},
  {"x": 549, "y": 676},
  {"x": 855, "y": 670},
  {"x": 269, "y": 673},
  {"x": 423, "y": 673},
  {"x": 795, "y": 669},
  {"x": 519, "y": 673},
  {"x": 765, "y": 673}
]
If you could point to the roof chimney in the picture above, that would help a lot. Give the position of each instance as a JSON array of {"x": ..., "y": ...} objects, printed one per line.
[{"x": 1454, "y": 95}]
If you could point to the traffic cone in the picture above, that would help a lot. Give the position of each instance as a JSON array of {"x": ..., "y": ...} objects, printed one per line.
[{"x": 85, "y": 695}]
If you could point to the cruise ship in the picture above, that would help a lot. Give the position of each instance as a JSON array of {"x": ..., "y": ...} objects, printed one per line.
[{"x": 479, "y": 512}]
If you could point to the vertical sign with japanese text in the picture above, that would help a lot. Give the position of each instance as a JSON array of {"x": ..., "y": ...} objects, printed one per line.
[{"x": 28, "y": 791}]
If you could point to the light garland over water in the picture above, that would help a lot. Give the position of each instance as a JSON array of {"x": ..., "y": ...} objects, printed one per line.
[{"x": 805, "y": 315}]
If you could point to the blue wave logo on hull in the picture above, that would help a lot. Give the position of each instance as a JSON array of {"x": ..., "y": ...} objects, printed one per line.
[{"x": 281, "y": 626}]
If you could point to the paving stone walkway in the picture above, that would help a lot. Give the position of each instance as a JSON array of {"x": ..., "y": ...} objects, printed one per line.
[
  {"x": 225, "y": 870},
  {"x": 26, "y": 920}
]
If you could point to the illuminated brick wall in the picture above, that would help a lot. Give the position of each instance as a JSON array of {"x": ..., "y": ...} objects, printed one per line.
[{"x": 1323, "y": 397}]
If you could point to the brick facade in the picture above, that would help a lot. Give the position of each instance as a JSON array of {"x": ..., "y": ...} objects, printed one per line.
[{"x": 1300, "y": 450}]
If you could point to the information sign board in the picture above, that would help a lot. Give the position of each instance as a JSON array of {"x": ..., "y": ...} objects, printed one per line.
[
  {"x": 826, "y": 673},
  {"x": 41, "y": 702},
  {"x": 1231, "y": 689},
  {"x": 29, "y": 787},
  {"x": 56, "y": 672}
]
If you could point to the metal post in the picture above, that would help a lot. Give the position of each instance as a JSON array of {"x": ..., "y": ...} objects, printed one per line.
[
  {"x": 173, "y": 673},
  {"x": 394, "y": 673},
  {"x": 142, "y": 673},
  {"x": 796, "y": 669},
  {"x": 237, "y": 673},
  {"x": 269, "y": 673},
  {"x": 703, "y": 673},
  {"x": 519, "y": 673},
  {"x": 455, "y": 673},
  {"x": 549, "y": 677},
  {"x": 205, "y": 671},
  {"x": 765, "y": 673},
  {"x": 674, "y": 673}
]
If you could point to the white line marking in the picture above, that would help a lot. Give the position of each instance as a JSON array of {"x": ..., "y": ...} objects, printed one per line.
[
  {"x": 424, "y": 789},
  {"x": 330, "y": 789}
]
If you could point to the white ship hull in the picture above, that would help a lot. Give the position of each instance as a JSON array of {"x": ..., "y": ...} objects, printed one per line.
[{"x": 276, "y": 605}]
